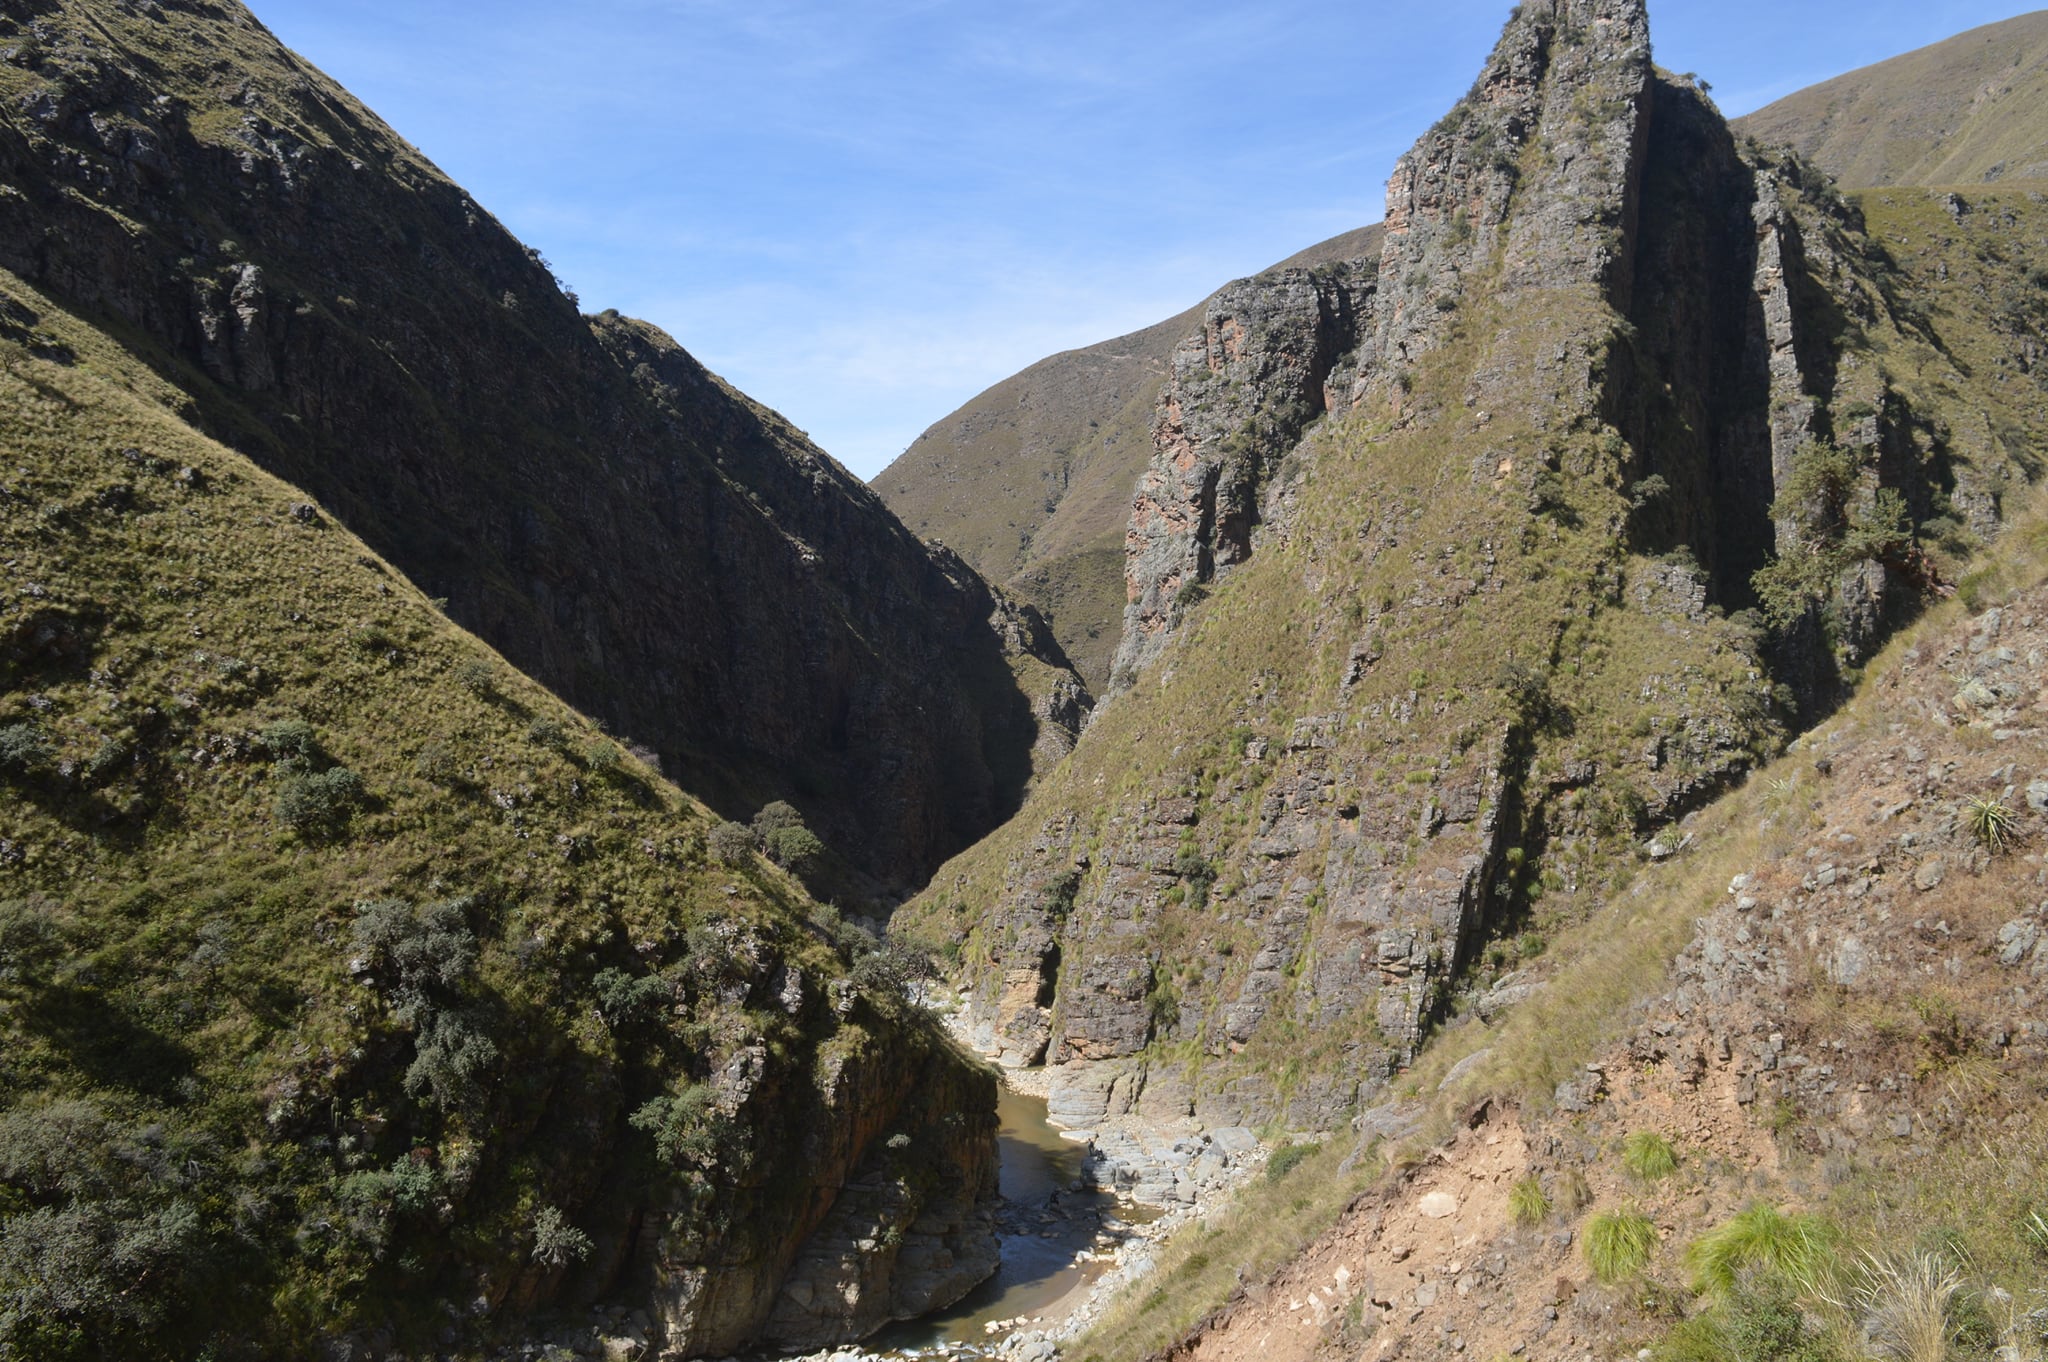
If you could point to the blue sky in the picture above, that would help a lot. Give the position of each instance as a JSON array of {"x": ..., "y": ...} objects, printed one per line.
[{"x": 863, "y": 212}]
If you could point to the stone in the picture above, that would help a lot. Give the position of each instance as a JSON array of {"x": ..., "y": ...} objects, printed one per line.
[
  {"x": 1930, "y": 874},
  {"x": 1438, "y": 1205}
]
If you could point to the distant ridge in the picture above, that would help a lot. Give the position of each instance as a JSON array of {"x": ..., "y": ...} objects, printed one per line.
[
  {"x": 1972, "y": 109},
  {"x": 1030, "y": 482}
]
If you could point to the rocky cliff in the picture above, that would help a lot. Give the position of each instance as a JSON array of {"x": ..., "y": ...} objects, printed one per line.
[
  {"x": 1539, "y": 530},
  {"x": 665, "y": 553}
]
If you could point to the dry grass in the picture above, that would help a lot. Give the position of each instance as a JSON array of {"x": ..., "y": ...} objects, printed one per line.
[{"x": 1267, "y": 1224}]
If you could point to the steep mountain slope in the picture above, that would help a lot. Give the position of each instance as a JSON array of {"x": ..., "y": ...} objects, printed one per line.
[
  {"x": 358, "y": 995},
  {"x": 1455, "y": 579},
  {"x": 1031, "y": 481},
  {"x": 663, "y": 552},
  {"x": 1973, "y": 109},
  {"x": 1845, "y": 1057}
]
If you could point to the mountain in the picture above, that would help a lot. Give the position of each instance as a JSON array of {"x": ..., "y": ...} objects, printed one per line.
[
  {"x": 664, "y": 553},
  {"x": 356, "y": 994},
  {"x": 1971, "y": 110},
  {"x": 1031, "y": 480},
  {"x": 1459, "y": 580}
]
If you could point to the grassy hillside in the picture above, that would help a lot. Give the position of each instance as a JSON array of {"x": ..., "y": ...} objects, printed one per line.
[
  {"x": 1031, "y": 481},
  {"x": 1973, "y": 109},
  {"x": 1803, "y": 1051},
  {"x": 351, "y": 985}
]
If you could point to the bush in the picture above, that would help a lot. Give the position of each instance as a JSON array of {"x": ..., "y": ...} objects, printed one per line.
[
  {"x": 478, "y": 677},
  {"x": 775, "y": 816},
  {"x": 796, "y": 850},
  {"x": 1287, "y": 1158},
  {"x": 24, "y": 750},
  {"x": 1648, "y": 1156},
  {"x": 1619, "y": 1244},
  {"x": 731, "y": 843},
  {"x": 545, "y": 732},
  {"x": 1798, "y": 1248},
  {"x": 603, "y": 757},
  {"x": 1528, "y": 1203},
  {"x": 556, "y": 1242},
  {"x": 687, "y": 1128},
  {"x": 287, "y": 739},
  {"x": 451, "y": 1058},
  {"x": 417, "y": 959},
  {"x": 1760, "y": 1319},
  {"x": 309, "y": 801}
]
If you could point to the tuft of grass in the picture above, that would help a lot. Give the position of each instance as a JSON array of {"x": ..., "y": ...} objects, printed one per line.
[
  {"x": 1907, "y": 1301},
  {"x": 1799, "y": 1248},
  {"x": 1648, "y": 1156},
  {"x": 1992, "y": 821},
  {"x": 1619, "y": 1244},
  {"x": 1528, "y": 1203}
]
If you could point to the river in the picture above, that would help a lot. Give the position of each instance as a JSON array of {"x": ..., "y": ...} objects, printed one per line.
[{"x": 1046, "y": 1223}]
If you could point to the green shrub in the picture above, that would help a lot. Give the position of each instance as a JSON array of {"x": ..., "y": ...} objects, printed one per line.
[
  {"x": 687, "y": 1128},
  {"x": 317, "y": 801},
  {"x": 776, "y": 815},
  {"x": 731, "y": 843},
  {"x": 1528, "y": 1204},
  {"x": 289, "y": 738},
  {"x": 1619, "y": 1244},
  {"x": 1760, "y": 1319},
  {"x": 478, "y": 677},
  {"x": 546, "y": 732},
  {"x": 1286, "y": 1159},
  {"x": 603, "y": 757},
  {"x": 24, "y": 750},
  {"x": 1648, "y": 1156},
  {"x": 796, "y": 850}
]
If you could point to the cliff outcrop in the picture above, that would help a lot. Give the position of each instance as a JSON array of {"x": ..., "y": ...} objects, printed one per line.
[
  {"x": 666, "y": 554},
  {"x": 1456, "y": 581}
]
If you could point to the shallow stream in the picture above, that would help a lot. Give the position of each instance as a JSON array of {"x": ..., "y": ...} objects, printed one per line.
[{"x": 1045, "y": 1224}]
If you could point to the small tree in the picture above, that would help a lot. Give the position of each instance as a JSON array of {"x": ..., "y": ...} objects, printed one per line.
[{"x": 556, "y": 1242}]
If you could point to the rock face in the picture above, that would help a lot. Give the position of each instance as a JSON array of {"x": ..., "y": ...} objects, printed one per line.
[
  {"x": 1457, "y": 575},
  {"x": 662, "y": 551},
  {"x": 1242, "y": 390}
]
